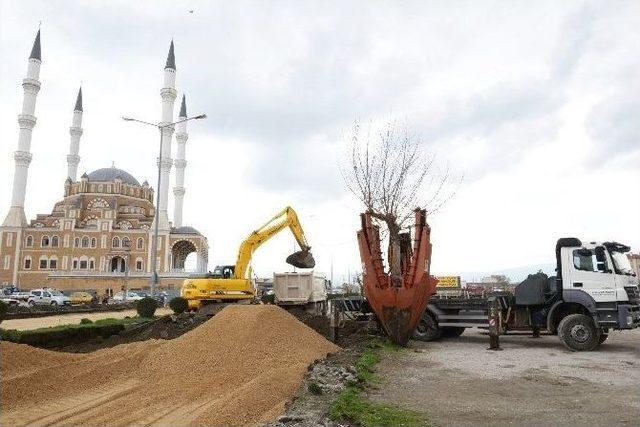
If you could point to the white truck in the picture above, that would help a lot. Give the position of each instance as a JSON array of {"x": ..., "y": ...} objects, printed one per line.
[
  {"x": 595, "y": 291},
  {"x": 301, "y": 289}
]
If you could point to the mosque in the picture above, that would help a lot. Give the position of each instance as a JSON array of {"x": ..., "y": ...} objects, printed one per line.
[{"x": 99, "y": 237}]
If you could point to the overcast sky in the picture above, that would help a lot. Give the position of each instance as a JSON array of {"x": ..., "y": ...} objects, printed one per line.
[{"x": 536, "y": 103}]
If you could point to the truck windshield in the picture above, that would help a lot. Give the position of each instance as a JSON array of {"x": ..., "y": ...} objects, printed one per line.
[
  {"x": 623, "y": 266},
  {"x": 56, "y": 293}
]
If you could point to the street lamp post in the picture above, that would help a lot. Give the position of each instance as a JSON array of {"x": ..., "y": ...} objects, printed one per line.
[
  {"x": 154, "y": 244},
  {"x": 127, "y": 251}
]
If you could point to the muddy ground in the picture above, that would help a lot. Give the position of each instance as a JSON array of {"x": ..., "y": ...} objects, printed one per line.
[{"x": 531, "y": 382}]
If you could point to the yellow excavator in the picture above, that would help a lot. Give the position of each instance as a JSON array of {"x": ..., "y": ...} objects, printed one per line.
[{"x": 232, "y": 283}]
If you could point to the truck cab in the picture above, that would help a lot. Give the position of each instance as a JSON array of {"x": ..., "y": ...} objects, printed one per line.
[{"x": 595, "y": 279}]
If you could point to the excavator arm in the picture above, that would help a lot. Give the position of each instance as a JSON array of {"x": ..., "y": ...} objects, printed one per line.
[{"x": 285, "y": 218}]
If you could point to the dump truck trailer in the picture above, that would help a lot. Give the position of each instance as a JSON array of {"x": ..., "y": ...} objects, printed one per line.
[
  {"x": 306, "y": 290},
  {"x": 594, "y": 291}
]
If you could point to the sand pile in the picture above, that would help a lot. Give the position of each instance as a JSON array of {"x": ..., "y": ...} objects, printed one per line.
[{"x": 239, "y": 368}]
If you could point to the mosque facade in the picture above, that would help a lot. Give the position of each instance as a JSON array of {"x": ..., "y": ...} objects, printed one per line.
[{"x": 99, "y": 237}]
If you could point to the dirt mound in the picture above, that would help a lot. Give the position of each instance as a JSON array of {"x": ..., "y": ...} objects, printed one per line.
[{"x": 239, "y": 368}]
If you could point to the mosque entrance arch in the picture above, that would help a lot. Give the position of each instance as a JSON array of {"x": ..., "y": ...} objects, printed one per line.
[{"x": 180, "y": 252}]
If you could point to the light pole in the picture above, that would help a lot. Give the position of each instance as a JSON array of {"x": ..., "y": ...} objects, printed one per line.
[
  {"x": 154, "y": 244},
  {"x": 127, "y": 251}
]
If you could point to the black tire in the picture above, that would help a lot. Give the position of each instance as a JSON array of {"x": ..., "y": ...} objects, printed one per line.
[
  {"x": 427, "y": 329},
  {"x": 53, "y": 304},
  {"x": 578, "y": 332},
  {"x": 452, "y": 331},
  {"x": 31, "y": 303}
]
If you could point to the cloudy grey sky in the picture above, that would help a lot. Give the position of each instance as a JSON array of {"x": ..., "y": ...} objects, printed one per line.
[{"x": 536, "y": 103}]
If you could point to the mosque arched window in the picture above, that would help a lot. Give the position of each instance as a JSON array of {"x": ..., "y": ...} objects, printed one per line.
[
  {"x": 116, "y": 242},
  {"x": 54, "y": 241},
  {"x": 93, "y": 242},
  {"x": 140, "y": 243},
  {"x": 45, "y": 241},
  {"x": 29, "y": 242},
  {"x": 126, "y": 243},
  {"x": 76, "y": 242},
  {"x": 85, "y": 242}
]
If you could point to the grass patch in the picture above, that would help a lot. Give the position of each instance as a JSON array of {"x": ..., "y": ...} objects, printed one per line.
[{"x": 351, "y": 406}]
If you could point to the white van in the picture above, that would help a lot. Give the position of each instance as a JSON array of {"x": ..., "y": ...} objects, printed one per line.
[{"x": 47, "y": 296}]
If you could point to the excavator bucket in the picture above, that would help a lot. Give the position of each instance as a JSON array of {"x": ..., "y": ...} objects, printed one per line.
[
  {"x": 301, "y": 259},
  {"x": 398, "y": 304}
]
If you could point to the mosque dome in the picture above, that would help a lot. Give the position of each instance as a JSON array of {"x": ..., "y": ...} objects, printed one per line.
[
  {"x": 110, "y": 175},
  {"x": 185, "y": 229}
]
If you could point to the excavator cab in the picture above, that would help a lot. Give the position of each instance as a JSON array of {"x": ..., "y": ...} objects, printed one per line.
[{"x": 224, "y": 272}]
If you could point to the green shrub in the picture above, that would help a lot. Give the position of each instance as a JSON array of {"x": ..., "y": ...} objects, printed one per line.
[
  {"x": 146, "y": 307},
  {"x": 85, "y": 321},
  {"x": 59, "y": 336},
  {"x": 179, "y": 305},
  {"x": 314, "y": 388},
  {"x": 3, "y": 309},
  {"x": 268, "y": 298}
]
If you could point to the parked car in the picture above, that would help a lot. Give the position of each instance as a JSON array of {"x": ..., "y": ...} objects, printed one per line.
[
  {"x": 131, "y": 296},
  {"x": 81, "y": 298},
  {"x": 11, "y": 302},
  {"x": 21, "y": 295},
  {"x": 47, "y": 297}
]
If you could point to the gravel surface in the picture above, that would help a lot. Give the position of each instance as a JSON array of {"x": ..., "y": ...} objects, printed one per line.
[
  {"x": 531, "y": 382},
  {"x": 68, "y": 319},
  {"x": 241, "y": 367}
]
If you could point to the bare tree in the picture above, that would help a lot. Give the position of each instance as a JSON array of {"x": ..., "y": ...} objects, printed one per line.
[{"x": 390, "y": 172}]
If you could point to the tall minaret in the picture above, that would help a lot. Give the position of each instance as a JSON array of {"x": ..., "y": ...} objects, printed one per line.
[
  {"x": 168, "y": 93},
  {"x": 181, "y": 163},
  {"x": 27, "y": 121},
  {"x": 75, "y": 131}
]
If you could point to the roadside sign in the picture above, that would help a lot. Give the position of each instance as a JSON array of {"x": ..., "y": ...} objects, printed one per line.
[{"x": 448, "y": 282}]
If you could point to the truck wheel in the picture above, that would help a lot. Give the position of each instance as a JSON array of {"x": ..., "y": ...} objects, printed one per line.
[
  {"x": 427, "y": 329},
  {"x": 579, "y": 332},
  {"x": 452, "y": 331},
  {"x": 31, "y": 303},
  {"x": 603, "y": 338},
  {"x": 53, "y": 303}
]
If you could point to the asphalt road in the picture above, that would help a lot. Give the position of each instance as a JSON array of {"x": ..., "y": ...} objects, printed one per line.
[{"x": 531, "y": 382}]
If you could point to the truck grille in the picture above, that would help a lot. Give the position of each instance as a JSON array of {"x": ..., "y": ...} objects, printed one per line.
[{"x": 633, "y": 294}]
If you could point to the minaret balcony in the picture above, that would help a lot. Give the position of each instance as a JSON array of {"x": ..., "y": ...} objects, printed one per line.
[{"x": 27, "y": 121}]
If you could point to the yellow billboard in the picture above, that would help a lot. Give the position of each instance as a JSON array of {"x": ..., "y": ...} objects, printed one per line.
[{"x": 448, "y": 282}]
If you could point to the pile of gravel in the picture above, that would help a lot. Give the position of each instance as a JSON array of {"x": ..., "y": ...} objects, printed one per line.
[{"x": 240, "y": 367}]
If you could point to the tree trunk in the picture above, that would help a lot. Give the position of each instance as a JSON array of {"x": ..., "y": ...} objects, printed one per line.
[{"x": 395, "y": 254}]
